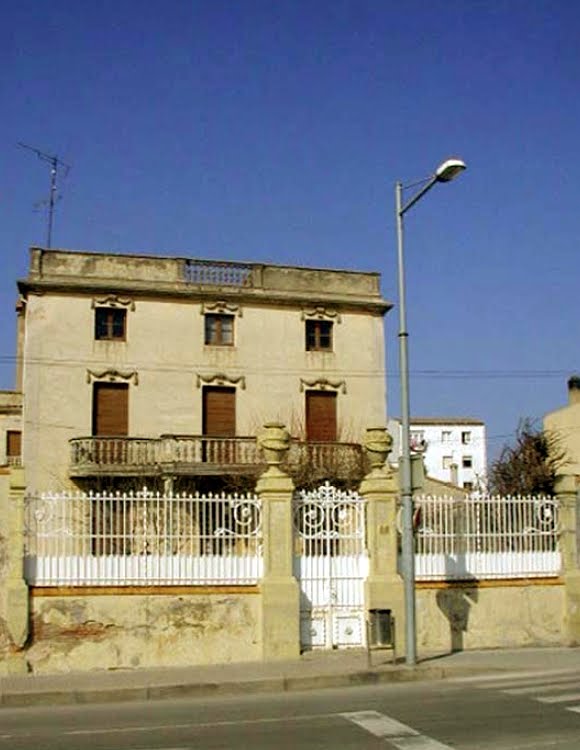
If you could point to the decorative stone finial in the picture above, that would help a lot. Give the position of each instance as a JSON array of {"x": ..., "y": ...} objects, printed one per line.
[
  {"x": 274, "y": 440},
  {"x": 378, "y": 444}
]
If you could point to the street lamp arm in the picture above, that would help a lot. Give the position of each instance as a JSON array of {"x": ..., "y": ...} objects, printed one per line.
[
  {"x": 445, "y": 172},
  {"x": 418, "y": 195}
]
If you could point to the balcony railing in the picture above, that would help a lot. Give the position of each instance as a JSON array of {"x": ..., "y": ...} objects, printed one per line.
[{"x": 197, "y": 455}]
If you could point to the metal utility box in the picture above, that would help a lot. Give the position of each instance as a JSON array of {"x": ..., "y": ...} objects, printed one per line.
[{"x": 380, "y": 631}]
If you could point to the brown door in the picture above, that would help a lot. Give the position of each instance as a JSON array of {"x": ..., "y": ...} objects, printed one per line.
[
  {"x": 110, "y": 409},
  {"x": 219, "y": 412},
  {"x": 13, "y": 446},
  {"x": 321, "y": 416}
]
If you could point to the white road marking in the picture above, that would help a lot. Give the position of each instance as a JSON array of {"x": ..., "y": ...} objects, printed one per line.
[
  {"x": 562, "y": 698},
  {"x": 199, "y": 725},
  {"x": 499, "y": 680},
  {"x": 165, "y": 727},
  {"x": 551, "y": 687},
  {"x": 399, "y": 735}
]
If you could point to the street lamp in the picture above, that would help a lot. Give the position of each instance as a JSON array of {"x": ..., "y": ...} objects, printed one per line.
[{"x": 445, "y": 172}]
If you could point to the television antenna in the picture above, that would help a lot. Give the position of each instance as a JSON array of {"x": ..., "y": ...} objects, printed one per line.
[{"x": 55, "y": 165}]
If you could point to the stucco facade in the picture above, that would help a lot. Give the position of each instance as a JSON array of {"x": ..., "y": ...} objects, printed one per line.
[
  {"x": 564, "y": 425},
  {"x": 163, "y": 356}
]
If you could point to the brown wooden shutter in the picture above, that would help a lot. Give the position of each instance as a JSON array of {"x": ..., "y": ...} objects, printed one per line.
[
  {"x": 13, "y": 443},
  {"x": 219, "y": 411},
  {"x": 321, "y": 416},
  {"x": 110, "y": 409}
]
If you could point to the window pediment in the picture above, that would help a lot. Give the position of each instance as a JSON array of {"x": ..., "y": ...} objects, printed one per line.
[
  {"x": 323, "y": 384},
  {"x": 320, "y": 312},
  {"x": 221, "y": 307},
  {"x": 221, "y": 379},
  {"x": 113, "y": 376},
  {"x": 113, "y": 300}
]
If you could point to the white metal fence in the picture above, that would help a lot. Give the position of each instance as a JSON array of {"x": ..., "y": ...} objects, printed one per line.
[
  {"x": 142, "y": 538},
  {"x": 485, "y": 536}
]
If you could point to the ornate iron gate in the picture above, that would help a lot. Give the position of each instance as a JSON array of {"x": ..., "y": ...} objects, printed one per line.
[{"x": 331, "y": 565}]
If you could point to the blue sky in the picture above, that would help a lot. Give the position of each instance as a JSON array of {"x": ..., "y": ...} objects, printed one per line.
[{"x": 275, "y": 130}]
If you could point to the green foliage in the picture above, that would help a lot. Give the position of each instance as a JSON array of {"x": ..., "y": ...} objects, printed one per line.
[{"x": 530, "y": 465}]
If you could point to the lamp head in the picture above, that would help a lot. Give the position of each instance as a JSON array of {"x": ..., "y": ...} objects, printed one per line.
[{"x": 449, "y": 170}]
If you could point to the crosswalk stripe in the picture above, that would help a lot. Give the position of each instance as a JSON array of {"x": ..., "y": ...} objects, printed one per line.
[
  {"x": 576, "y": 709},
  {"x": 565, "y": 697},
  {"x": 398, "y": 735},
  {"x": 514, "y": 684},
  {"x": 539, "y": 675},
  {"x": 550, "y": 687}
]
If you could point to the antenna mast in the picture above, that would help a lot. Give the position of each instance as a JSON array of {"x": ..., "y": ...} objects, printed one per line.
[{"x": 55, "y": 163}]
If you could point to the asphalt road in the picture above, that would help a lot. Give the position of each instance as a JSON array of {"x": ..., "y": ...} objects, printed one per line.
[{"x": 524, "y": 713}]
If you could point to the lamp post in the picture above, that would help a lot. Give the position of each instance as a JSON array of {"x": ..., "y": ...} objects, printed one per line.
[{"x": 445, "y": 172}]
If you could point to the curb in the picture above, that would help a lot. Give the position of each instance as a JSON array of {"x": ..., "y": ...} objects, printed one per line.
[{"x": 214, "y": 689}]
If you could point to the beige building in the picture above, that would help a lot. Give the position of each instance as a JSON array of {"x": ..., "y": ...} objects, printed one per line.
[
  {"x": 144, "y": 367},
  {"x": 564, "y": 424}
]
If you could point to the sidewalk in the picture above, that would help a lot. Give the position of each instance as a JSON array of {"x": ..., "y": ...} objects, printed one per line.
[{"x": 312, "y": 671}]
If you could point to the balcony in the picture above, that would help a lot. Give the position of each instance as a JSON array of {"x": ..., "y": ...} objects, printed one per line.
[{"x": 196, "y": 455}]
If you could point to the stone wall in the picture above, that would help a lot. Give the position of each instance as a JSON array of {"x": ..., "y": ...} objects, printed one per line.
[
  {"x": 510, "y": 615},
  {"x": 129, "y": 631},
  {"x": 5, "y": 640}
]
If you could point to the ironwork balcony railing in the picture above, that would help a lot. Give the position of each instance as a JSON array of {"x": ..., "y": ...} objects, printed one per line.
[{"x": 198, "y": 455}]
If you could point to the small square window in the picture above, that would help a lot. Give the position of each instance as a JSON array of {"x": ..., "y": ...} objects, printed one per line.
[
  {"x": 417, "y": 440},
  {"x": 219, "y": 330},
  {"x": 468, "y": 486},
  {"x": 110, "y": 323},
  {"x": 446, "y": 436},
  {"x": 466, "y": 438},
  {"x": 318, "y": 335},
  {"x": 467, "y": 462},
  {"x": 447, "y": 461}
]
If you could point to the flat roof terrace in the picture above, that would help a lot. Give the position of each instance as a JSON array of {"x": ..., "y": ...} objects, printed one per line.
[{"x": 64, "y": 270}]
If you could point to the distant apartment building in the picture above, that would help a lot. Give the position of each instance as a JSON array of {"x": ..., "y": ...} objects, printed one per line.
[
  {"x": 137, "y": 367},
  {"x": 454, "y": 448}
]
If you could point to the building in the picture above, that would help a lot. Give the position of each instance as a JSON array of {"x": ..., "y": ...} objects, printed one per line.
[
  {"x": 143, "y": 368},
  {"x": 564, "y": 425},
  {"x": 454, "y": 448}
]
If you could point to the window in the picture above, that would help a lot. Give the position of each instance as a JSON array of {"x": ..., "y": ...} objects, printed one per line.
[
  {"x": 110, "y": 323},
  {"x": 318, "y": 336},
  {"x": 468, "y": 486},
  {"x": 446, "y": 436},
  {"x": 467, "y": 462},
  {"x": 417, "y": 440},
  {"x": 13, "y": 447},
  {"x": 219, "y": 330},
  {"x": 466, "y": 438},
  {"x": 447, "y": 461}
]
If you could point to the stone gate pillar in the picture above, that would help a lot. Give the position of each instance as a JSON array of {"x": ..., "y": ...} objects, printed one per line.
[
  {"x": 384, "y": 586},
  {"x": 279, "y": 589},
  {"x": 15, "y": 600},
  {"x": 567, "y": 495}
]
